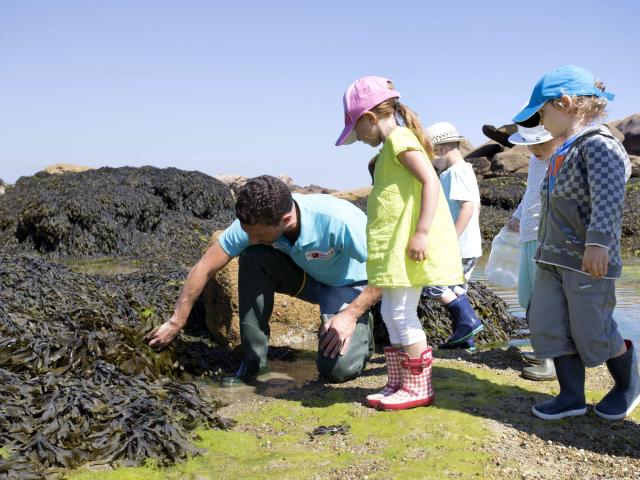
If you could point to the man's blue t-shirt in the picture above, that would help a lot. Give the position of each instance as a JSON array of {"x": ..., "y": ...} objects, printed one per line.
[{"x": 331, "y": 247}]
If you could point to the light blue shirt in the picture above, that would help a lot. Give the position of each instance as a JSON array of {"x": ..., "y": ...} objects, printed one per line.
[{"x": 331, "y": 247}]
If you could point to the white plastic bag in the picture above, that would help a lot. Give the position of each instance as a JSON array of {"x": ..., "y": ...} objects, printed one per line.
[{"x": 504, "y": 259}]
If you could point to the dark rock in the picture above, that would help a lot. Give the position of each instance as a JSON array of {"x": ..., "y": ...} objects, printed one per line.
[
  {"x": 492, "y": 219},
  {"x": 630, "y": 128},
  {"x": 502, "y": 192},
  {"x": 487, "y": 150},
  {"x": 481, "y": 165},
  {"x": 499, "y": 324},
  {"x": 138, "y": 212},
  {"x": 500, "y": 134}
]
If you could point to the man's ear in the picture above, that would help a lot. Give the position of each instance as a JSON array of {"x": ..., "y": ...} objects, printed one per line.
[{"x": 286, "y": 218}]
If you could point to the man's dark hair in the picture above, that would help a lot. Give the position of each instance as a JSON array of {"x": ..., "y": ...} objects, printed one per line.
[{"x": 263, "y": 200}]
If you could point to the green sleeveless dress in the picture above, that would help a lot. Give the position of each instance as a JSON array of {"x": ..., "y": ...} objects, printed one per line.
[{"x": 393, "y": 208}]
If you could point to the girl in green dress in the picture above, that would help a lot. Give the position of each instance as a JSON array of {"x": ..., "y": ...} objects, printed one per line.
[{"x": 411, "y": 238}]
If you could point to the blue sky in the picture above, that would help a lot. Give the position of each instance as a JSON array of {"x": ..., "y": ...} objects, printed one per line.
[{"x": 252, "y": 87}]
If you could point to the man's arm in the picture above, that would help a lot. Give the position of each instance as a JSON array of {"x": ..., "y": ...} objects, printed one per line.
[
  {"x": 340, "y": 328},
  {"x": 213, "y": 260}
]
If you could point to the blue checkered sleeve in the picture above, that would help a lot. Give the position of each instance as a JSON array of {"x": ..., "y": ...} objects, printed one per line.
[{"x": 606, "y": 164}]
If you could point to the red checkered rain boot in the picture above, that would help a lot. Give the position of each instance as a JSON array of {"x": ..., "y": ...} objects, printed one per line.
[
  {"x": 394, "y": 377},
  {"x": 416, "y": 389}
]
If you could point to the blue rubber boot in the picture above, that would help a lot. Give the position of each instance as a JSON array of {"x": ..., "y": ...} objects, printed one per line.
[
  {"x": 625, "y": 394},
  {"x": 465, "y": 322},
  {"x": 469, "y": 345},
  {"x": 570, "y": 402}
]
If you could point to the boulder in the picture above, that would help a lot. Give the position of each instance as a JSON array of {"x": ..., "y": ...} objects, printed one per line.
[
  {"x": 615, "y": 131},
  {"x": 220, "y": 298},
  {"x": 139, "y": 212},
  {"x": 57, "y": 168},
  {"x": 481, "y": 165},
  {"x": 630, "y": 128},
  {"x": 487, "y": 150},
  {"x": 511, "y": 160},
  {"x": 500, "y": 134},
  {"x": 499, "y": 324},
  {"x": 2, "y": 188}
]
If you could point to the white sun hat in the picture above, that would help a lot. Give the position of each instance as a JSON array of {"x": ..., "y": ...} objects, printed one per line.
[
  {"x": 443, "y": 132},
  {"x": 530, "y": 136}
]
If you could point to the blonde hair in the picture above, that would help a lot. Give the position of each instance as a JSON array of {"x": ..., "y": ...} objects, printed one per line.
[
  {"x": 392, "y": 106},
  {"x": 589, "y": 108}
]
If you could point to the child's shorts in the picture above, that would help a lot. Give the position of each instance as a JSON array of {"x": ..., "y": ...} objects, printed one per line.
[
  {"x": 468, "y": 264},
  {"x": 572, "y": 312}
]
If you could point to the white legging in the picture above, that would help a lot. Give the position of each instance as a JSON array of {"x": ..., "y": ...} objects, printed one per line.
[{"x": 399, "y": 312}]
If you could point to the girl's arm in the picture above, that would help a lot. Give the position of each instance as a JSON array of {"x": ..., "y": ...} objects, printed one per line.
[{"x": 421, "y": 168}]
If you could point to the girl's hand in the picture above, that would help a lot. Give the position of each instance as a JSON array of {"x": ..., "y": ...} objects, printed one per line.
[{"x": 417, "y": 247}]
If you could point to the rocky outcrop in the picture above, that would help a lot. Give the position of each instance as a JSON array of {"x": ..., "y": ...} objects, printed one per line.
[
  {"x": 514, "y": 160},
  {"x": 630, "y": 129},
  {"x": 138, "y": 212},
  {"x": 499, "y": 324},
  {"x": 220, "y": 301}
]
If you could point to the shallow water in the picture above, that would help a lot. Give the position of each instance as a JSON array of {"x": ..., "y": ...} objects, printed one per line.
[{"x": 626, "y": 313}]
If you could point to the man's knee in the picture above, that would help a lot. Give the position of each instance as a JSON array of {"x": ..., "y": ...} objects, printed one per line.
[{"x": 339, "y": 369}]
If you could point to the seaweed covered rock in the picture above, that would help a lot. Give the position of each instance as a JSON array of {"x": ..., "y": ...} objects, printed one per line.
[
  {"x": 140, "y": 212},
  {"x": 502, "y": 192},
  {"x": 499, "y": 324},
  {"x": 77, "y": 383}
]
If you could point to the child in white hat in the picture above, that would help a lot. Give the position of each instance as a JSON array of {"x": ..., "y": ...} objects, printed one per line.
[
  {"x": 525, "y": 220},
  {"x": 463, "y": 198}
]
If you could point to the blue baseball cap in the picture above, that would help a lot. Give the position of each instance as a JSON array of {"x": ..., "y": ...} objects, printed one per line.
[{"x": 565, "y": 80}]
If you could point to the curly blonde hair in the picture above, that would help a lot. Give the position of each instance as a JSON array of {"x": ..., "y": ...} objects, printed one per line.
[{"x": 588, "y": 108}]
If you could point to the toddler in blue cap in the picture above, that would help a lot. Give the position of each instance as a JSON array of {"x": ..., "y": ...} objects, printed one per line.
[{"x": 578, "y": 256}]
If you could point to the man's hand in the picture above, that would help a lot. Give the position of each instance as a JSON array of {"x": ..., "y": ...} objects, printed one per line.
[
  {"x": 417, "y": 247},
  {"x": 336, "y": 334},
  {"x": 164, "y": 334},
  {"x": 513, "y": 224},
  {"x": 595, "y": 260}
]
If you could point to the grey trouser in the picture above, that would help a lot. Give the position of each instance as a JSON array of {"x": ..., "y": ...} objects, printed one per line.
[
  {"x": 571, "y": 312},
  {"x": 264, "y": 271}
]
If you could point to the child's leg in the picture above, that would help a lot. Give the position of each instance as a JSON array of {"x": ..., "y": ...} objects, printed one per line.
[
  {"x": 385, "y": 311},
  {"x": 391, "y": 355},
  {"x": 591, "y": 302},
  {"x": 551, "y": 338},
  {"x": 402, "y": 311},
  {"x": 416, "y": 359},
  {"x": 526, "y": 272},
  {"x": 541, "y": 369}
]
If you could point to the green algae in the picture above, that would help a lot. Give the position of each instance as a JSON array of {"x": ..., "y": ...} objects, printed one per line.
[{"x": 407, "y": 444}]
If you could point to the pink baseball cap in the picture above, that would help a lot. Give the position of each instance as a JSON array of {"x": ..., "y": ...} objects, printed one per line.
[{"x": 361, "y": 96}]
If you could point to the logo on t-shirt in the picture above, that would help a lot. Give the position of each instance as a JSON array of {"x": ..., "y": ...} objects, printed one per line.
[{"x": 320, "y": 255}]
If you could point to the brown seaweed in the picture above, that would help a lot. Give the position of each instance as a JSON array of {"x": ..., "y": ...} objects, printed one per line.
[{"x": 77, "y": 383}]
